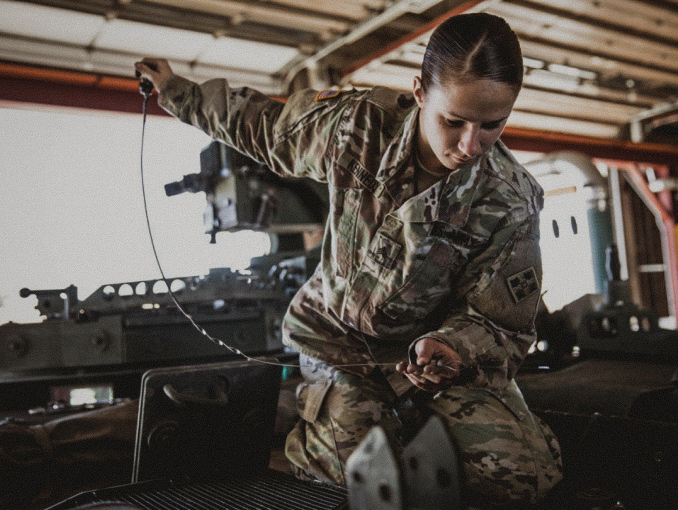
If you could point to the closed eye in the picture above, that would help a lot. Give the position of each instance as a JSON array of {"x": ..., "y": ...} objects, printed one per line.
[{"x": 455, "y": 123}]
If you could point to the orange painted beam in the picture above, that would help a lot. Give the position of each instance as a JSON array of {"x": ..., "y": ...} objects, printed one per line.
[
  {"x": 56, "y": 87},
  {"x": 545, "y": 141},
  {"x": 68, "y": 77}
]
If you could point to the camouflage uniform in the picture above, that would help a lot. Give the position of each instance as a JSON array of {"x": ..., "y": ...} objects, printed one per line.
[{"x": 458, "y": 262}]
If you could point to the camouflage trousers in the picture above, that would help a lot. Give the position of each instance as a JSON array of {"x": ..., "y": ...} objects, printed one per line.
[{"x": 508, "y": 454}]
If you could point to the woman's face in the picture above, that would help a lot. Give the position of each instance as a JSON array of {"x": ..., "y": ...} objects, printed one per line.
[{"x": 458, "y": 122}]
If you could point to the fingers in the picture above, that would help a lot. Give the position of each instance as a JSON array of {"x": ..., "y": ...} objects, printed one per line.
[
  {"x": 431, "y": 377},
  {"x": 157, "y": 70},
  {"x": 436, "y": 357},
  {"x": 146, "y": 68},
  {"x": 440, "y": 367},
  {"x": 433, "y": 366},
  {"x": 435, "y": 373},
  {"x": 428, "y": 385}
]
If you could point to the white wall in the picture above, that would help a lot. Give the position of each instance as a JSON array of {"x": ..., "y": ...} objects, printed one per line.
[{"x": 71, "y": 204}]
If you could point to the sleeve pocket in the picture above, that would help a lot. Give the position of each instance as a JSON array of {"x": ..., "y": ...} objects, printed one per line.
[{"x": 510, "y": 295}]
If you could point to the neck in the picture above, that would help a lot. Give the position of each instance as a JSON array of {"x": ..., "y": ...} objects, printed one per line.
[
  {"x": 424, "y": 178},
  {"x": 438, "y": 174},
  {"x": 426, "y": 159}
]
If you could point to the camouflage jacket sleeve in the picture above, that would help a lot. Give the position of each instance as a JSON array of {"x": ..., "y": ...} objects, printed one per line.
[
  {"x": 283, "y": 136},
  {"x": 492, "y": 326}
]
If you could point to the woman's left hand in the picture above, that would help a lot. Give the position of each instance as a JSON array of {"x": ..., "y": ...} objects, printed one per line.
[{"x": 436, "y": 367}]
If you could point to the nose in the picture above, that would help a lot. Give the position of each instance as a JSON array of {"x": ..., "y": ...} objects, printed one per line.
[{"x": 469, "y": 142}]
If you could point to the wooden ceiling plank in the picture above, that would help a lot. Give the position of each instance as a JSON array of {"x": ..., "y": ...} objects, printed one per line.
[
  {"x": 595, "y": 61},
  {"x": 577, "y": 106},
  {"x": 550, "y": 124},
  {"x": 355, "y": 10},
  {"x": 548, "y": 27},
  {"x": 266, "y": 12},
  {"x": 173, "y": 14},
  {"x": 634, "y": 16}
]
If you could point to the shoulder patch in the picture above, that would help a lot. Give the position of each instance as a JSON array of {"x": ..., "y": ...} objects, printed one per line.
[
  {"x": 326, "y": 94},
  {"x": 523, "y": 284}
]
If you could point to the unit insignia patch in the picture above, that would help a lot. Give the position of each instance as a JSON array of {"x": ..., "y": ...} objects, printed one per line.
[
  {"x": 384, "y": 251},
  {"x": 522, "y": 285}
]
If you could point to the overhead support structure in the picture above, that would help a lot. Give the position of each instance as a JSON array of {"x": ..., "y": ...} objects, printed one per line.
[{"x": 381, "y": 29}]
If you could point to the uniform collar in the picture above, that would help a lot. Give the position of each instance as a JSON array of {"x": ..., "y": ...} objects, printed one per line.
[
  {"x": 399, "y": 151},
  {"x": 458, "y": 191},
  {"x": 449, "y": 201}
]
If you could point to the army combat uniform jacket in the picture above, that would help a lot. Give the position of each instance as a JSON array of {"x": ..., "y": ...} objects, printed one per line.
[{"x": 458, "y": 262}]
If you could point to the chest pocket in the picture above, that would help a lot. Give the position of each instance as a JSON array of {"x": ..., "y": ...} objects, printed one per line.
[
  {"x": 346, "y": 208},
  {"x": 426, "y": 287}
]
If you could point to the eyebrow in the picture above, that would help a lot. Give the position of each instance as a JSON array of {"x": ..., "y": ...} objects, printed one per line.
[{"x": 452, "y": 114}]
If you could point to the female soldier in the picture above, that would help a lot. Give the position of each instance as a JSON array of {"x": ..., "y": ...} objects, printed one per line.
[{"x": 430, "y": 272}]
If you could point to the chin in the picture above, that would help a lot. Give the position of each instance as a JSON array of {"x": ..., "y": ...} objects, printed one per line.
[{"x": 453, "y": 164}]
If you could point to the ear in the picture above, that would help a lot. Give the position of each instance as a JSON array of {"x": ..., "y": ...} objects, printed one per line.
[{"x": 418, "y": 91}]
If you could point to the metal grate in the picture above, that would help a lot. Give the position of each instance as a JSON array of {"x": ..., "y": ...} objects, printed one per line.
[{"x": 271, "y": 491}]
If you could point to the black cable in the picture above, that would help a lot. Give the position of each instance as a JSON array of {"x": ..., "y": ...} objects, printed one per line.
[{"x": 147, "y": 96}]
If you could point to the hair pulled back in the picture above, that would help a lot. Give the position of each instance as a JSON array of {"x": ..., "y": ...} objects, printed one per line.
[{"x": 472, "y": 46}]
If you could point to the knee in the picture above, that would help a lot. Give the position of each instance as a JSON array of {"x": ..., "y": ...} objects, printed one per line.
[{"x": 506, "y": 478}]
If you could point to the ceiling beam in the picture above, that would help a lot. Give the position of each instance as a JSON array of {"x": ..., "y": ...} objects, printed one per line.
[
  {"x": 412, "y": 36},
  {"x": 306, "y": 30},
  {"x": 594, "y": 22},
  {"x": 542, "y": 141},
  {"x": 72, "y": 90},
  {"x": 98, "y": 61},
  {"x": 381, "y": 30},
  {"x": 613, "y": 74},
  {"x": 596, "y": 59}
]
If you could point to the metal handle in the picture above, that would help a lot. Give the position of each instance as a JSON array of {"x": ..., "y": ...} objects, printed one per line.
[{"x": 220, "y": 398}]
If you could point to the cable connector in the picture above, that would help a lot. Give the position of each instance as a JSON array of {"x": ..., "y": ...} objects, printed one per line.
[{"x": 145, "y": 85}]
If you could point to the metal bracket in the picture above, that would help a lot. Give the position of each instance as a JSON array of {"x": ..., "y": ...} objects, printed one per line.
[
  {"x": 426, "y": 477},
  {"x": 374, "y": 477}
]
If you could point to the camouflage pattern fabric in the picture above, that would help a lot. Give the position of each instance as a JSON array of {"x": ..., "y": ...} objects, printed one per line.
[
  {"x": 337, "y": 410},
  {"x": 508, "y": 454},
  {"x": 458, "y": 261}
]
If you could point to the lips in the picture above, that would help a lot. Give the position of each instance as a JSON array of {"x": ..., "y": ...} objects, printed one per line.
[{"x": 459, "y": 160}]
